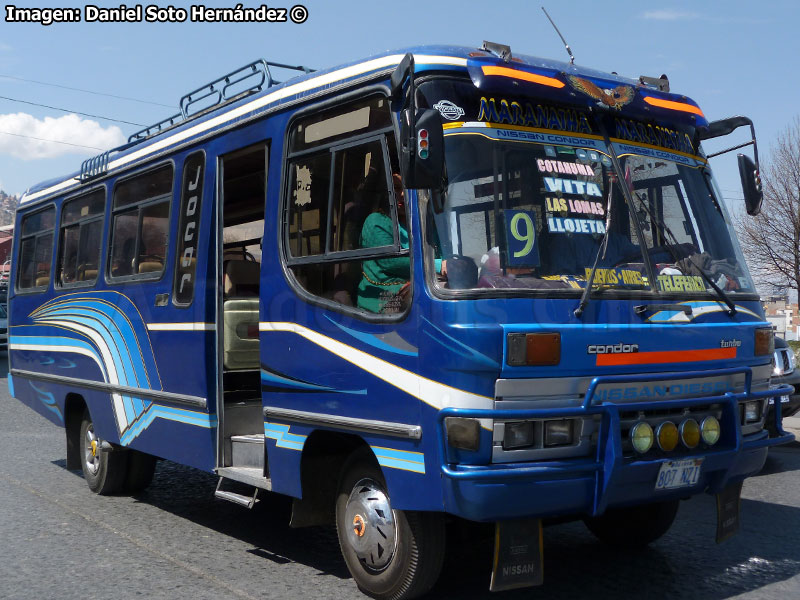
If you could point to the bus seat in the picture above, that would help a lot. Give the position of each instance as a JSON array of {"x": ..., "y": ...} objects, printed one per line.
[
  {"x": 240, "y": 278},
  {"x": 241, "y": 334},
  {"x": 150, "y": 266},
  {"x": 42, "y": 280},
  {"x": 240, "y": 314}
]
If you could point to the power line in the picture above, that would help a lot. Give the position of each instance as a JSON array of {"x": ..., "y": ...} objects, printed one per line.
[
  {"x": 30, "y": 137},
  {"x": 66, "y": 87},
  {"x": 77, "y": 112}
]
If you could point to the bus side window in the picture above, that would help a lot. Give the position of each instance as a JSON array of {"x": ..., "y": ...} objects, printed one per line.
[
  {"x": 141, "y": 224},
  {"x": 332, "y": 192},
  {"x": 36, "y": 249},
  {"x": 80, "y": 238}
]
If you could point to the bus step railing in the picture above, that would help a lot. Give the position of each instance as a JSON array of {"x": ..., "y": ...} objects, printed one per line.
[{"x": 235, "y": 497}]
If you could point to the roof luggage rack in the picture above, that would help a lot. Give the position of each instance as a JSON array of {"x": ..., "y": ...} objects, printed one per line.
[{"x": 250, "y": 78}]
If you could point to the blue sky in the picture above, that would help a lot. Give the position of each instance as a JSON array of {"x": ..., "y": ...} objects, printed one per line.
[{"x": 731, "y": 57}]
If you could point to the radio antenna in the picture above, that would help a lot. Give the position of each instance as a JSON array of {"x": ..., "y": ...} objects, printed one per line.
[{"x": 566, "y": 45}]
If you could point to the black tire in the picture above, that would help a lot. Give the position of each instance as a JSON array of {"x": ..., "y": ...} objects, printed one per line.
[
  {"x": 634, "y": 526},
  {"x": 141, "y": 468},
  {"x": 418, "y": 554},
  {"x": 105, "y": 472}
]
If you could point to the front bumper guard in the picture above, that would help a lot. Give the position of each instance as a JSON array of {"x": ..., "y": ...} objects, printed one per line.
[{"x": 608, "y": 460}]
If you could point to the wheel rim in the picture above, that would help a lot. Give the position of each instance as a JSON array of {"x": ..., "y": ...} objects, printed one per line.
[
  {"x": 91, "y": 450},
  {"x": 370, "y": 525}
]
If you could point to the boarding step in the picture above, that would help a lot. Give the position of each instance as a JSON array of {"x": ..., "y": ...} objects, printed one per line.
[
  {"x": 247, "y": 451},
  {"x": 247, "y": 475},
  {"x": 236, "y": 496}
]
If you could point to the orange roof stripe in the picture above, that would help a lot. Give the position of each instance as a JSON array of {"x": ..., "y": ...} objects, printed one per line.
[
  {"x": 524, "y": 75},
  {"x": 670, "y": 356},
  {"x": 672, "y": 105}
]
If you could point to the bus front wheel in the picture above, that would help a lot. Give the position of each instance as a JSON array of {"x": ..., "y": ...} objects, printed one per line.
[
  {"x": 104, "y": 471},
  {"x": 392, "y": 554},
  {"x": 634, "y": 526}
]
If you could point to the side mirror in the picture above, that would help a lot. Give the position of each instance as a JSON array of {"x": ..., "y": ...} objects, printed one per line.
[
  {"x": 423, "y": 149},
  {"x": 751, "y": 185}
]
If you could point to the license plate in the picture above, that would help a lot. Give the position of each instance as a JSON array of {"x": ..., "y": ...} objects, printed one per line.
[
  {"x": 679, "y": 473},
  {"x": 784, "y": 400}
]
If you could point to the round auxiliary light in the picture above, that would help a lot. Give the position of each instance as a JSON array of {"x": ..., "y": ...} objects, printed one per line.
[
  {"x": 667, "y": 436},
  {"x": 690, "y": 433},
  {"x": 642, "y": 437},
  {"x": 710, "y": 430}
]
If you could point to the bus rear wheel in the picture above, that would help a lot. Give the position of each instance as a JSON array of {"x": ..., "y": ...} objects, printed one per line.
[
  {"x": 392, "y": 554},
  {"x": 634, "y": 526},
  {"x": 104, "y": 471}
]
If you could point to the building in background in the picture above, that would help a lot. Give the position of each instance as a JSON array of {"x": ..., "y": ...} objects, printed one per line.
[{"x": 784, "y": 316}]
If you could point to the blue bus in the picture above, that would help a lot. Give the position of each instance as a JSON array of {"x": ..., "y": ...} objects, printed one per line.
[{"x": 436, "y": 284}]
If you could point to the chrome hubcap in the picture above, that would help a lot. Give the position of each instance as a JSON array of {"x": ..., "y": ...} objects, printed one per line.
[
  {"x": 371, "y": 531},
  {"x": 91, "y": 450}
]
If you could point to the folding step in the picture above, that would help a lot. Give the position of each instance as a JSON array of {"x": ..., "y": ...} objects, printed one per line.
[
  {"x": 236, "y": 497},
  {"x": 247, "y": 451}
]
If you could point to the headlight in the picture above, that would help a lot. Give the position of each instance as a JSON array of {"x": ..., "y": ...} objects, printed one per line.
[
  {"x": 518, "y": 435},
  {"x": 690, "y": 433},
  {"x": 558, "y": 433},
  {"x": 752, "y": 411},
  {"x": 777, "y": 370}
]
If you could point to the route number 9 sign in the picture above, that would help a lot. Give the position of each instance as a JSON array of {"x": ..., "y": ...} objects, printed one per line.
[{"x": 521, "y": 239}]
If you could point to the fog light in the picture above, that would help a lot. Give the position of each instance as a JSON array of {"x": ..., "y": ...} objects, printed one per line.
[
  {"x": 690, "y": 433},
  {"x": 558, "y": 433},
  {"x": 752, "y": 412},
  {"x": 710, "y": 430},
  {"x": 463, "y": 433},
  {"x": 667, "y": 436},
  {"x": 641, "y": 436},
  {"x": 518, "y": 435}
]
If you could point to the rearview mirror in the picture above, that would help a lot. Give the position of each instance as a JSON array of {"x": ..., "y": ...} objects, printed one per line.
[
  {"x": 751, "y": 185},
  {"x": 423, "y": 149}
]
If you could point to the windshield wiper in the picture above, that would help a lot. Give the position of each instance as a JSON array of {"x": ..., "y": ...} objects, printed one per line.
[
  {"x": 601, "y": 250},
  {"x": 670, "y": 246}
]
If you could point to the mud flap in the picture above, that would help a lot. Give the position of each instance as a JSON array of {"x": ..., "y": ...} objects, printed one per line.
[
  {"x": 517, "y": 555},
  {"x": 728, "y": 502}
]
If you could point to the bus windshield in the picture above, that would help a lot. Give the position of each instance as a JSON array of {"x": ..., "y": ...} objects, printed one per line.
[{"x": 530, "y": 208}]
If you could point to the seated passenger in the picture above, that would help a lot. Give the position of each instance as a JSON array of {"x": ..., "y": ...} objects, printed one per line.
[{"x": 385, "y": 284}]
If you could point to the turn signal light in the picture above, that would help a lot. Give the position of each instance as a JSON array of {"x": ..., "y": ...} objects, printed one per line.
[
  {"x": 667, "y": 436},
  {"x": 765, "y": 342},
  {"x": 535, "y": 349},
  {"x": 710, "y": 430}
]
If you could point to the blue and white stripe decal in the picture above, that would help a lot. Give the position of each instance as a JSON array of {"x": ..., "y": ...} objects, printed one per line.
[
  {"x": 284, "y": 439},
  {"x": 698, "y": 309},
  {"x": 387, "y": 457},
  {"x": 106, "y": 327},
  {"x": 400, "y": 459}
]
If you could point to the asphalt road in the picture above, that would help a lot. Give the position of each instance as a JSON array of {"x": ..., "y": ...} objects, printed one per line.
[{"x": 58, "y": 540}]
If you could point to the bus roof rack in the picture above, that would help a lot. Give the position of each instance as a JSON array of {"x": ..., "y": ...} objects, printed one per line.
[
  {"x": 253, "y": 77},
  {"x": 659, "y": 83}
]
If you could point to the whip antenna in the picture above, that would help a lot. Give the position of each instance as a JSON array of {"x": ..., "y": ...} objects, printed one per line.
[{"x": 566, "y": 45}]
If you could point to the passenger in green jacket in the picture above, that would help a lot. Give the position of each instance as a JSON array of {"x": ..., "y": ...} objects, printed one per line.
[{"x": 385, "y": 284}]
